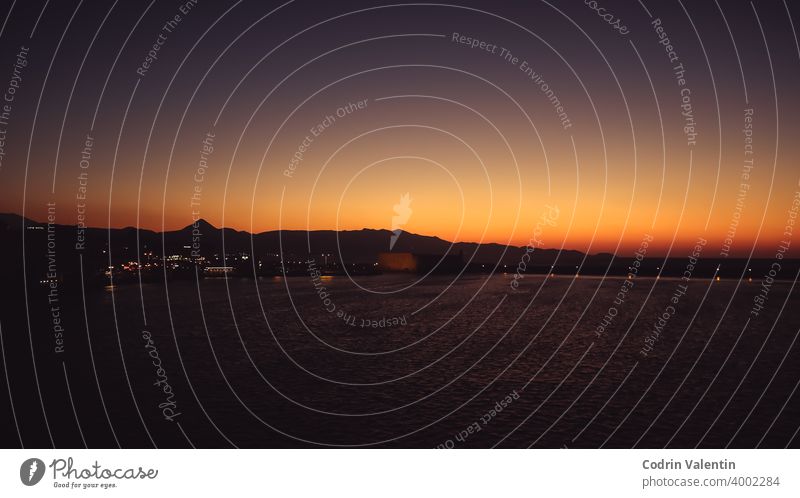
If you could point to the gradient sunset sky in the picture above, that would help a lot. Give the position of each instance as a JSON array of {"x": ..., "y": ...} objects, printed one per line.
[{"x": 473, "y": 139}]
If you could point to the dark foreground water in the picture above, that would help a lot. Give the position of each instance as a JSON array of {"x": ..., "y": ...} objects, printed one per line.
[{"x": 465, "y": 363}]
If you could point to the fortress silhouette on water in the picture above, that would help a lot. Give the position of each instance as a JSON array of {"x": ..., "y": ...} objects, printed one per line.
[{"x": 420, "y": 263}]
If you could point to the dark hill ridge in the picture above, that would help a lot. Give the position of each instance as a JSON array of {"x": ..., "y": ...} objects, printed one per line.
[
  {"x": 354, "y": 246},
  {"x": 359, "y": 247},
  {"x": 363, "y": 246}
]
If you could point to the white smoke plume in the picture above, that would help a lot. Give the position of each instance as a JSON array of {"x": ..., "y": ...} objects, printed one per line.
[{"x": 402, "y": 213}]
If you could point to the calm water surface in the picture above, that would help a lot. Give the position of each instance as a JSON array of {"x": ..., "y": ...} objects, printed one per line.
[{"x": 285, "y": 362}]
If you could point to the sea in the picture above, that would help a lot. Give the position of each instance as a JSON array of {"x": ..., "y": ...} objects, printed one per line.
[{"x": 409, "y": 361}]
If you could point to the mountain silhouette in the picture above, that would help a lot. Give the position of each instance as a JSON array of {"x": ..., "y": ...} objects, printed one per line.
[
  {"x": 352, "y": 246},
  {"x": 102, "y": 247}
]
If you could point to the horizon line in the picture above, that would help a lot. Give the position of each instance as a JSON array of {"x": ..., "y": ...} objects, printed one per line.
[{"x": 165, "y": 230}]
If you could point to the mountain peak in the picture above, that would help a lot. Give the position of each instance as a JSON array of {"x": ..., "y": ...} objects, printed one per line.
[{"x": 202, "y": 224}]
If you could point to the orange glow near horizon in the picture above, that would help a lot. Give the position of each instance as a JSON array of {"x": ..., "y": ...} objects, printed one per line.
[{"x": 612, "y": 182}]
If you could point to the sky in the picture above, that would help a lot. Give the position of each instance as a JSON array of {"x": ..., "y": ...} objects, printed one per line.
[{"x": 626, "y": 118}]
